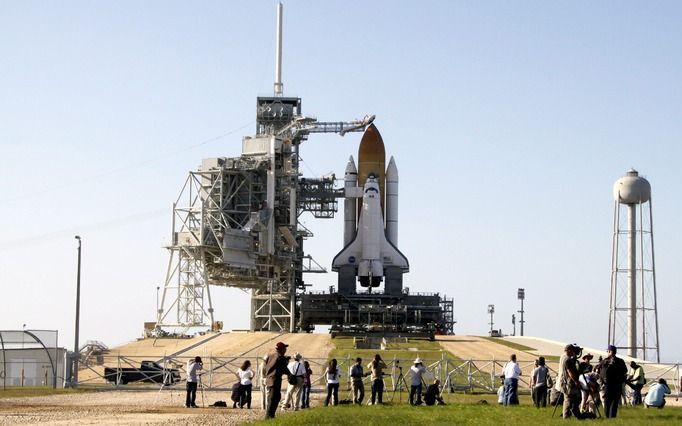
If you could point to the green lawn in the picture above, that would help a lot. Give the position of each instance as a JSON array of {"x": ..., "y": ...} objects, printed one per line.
[
  {"x": 17, "y": 392},
  {"x": 520, "y": 347},
  {"x": 461, "y": 409},
  {"x": 405, "y": 352}
]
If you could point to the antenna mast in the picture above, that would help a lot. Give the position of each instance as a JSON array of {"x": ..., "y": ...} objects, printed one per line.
[{"x": 278, "y": 52}]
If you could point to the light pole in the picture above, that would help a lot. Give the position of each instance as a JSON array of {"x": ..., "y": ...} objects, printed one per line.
[
  {"x": 521, "y": 295},
  {"x": 491, "y": 311},
  {"x": 76, "y": 349},
  {"x": 514, "y": 324}
]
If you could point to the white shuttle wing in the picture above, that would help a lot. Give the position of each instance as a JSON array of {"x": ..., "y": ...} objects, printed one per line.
[{"x": 352, "y": 255}]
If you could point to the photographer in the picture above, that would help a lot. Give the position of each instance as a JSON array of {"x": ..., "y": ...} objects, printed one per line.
[
  {"x": 570, "y": 381},
  {"x": 275, "y": 367},
  {"x": 417, "y": 370},
  {"x": 358, "y": 388},
  {"x": 433, "y": 394},
  {"x": 193, "y": 366},
  {"x": 296, "y": 374},
  {"x": 656, "y": 395},
  {"x": 376, "y": 367}
]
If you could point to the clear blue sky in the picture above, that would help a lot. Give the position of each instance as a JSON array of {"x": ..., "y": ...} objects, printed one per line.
[{"x": 509, "y": 122}]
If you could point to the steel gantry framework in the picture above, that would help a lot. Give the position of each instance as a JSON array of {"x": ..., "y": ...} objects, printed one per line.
[{"x": 235, "y": 224}]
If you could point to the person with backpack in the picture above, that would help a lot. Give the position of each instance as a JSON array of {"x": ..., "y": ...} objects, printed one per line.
[
  {"x": 295, "y": 383},
  {"x": 613, "y": 373}
]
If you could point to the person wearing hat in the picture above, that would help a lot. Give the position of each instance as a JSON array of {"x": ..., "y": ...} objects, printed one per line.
[
  {"x": 193, "y": 367},
  {"x": 585, "y": 365},
  {"x": 275, "y": 367},
  {"x": 297, "y": 371},
  {"x": 570, "y": 381},
  {"x": 417, "y": 370},
  {"x": 613, "y": 373}
]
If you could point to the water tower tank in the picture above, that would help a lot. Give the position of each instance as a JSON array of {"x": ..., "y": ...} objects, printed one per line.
[{"x": 632, "y": 188}]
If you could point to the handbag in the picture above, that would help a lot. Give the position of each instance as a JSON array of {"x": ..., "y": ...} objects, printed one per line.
[{"x": 292, "y": 377}]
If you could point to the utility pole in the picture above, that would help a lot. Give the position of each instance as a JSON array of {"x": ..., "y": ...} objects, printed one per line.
[
  {"x": 491, "y": 311},
  {"x": 76, "y": 350}
]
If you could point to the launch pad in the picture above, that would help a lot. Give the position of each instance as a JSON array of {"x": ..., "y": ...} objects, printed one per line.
[
  {"x": 417, "y": 315},
  {"x": 236, "y": 224}
]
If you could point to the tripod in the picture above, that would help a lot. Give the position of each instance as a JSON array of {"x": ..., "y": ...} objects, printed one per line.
[
  {"x": 201, "y": 386},
  {"x": 398, "y": 385}
]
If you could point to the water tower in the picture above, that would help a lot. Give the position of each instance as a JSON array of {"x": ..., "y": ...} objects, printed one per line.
[{"x": 633, "y": 319}]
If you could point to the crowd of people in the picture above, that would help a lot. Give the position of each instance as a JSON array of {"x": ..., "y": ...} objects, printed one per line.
[
  {"x": 579, "y": 386},
  {"x": 298, "y": 374}
]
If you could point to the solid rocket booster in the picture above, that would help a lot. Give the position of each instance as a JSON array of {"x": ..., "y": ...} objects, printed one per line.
[
  {"x": 391, "y": 206},
  {"x": 370, "y": 222},
  {"x": 349, "y": 203}
]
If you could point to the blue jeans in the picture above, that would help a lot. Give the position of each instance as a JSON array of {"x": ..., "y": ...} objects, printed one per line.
[
  {"x": 377, "y": 391},
  {"x": 305, "y": 396},
  {"x": 511, "y": 396}
]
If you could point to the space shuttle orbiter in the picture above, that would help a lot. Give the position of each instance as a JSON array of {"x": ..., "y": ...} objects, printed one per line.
[{"x": 370, "y": 254}]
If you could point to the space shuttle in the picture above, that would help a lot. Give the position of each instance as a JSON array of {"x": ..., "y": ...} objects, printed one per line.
[{"x": 370, "y": 254}]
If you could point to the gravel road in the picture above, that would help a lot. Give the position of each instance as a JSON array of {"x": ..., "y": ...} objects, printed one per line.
[{"x": 123, "y": 408}]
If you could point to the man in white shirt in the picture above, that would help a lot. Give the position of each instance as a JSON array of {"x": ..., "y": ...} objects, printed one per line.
[
  {"x": 512, "y": 371},
  {"x": 193, "y": 367},
  {"x": 417, "y": 370},
  {"x": 297, "y": 370}
]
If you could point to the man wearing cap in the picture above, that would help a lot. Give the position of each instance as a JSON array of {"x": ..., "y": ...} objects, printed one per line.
[
  {"x": 570, "y": 381},
  {"x": 512, "y": 371},
  {"x": 613, "y": 373},
  {"x": 275, "y": 367},
  {"x": 296, "y": 369},
  {"x": 417, "y": 370}
]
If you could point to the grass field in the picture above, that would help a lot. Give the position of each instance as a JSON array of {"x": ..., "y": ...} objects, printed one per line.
[
  {"x": 414, "y": 348},
  {"x": 18, "y": 392},
  {"x": 520, "y": 347},
  {"x": 460, "y": 409}
]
